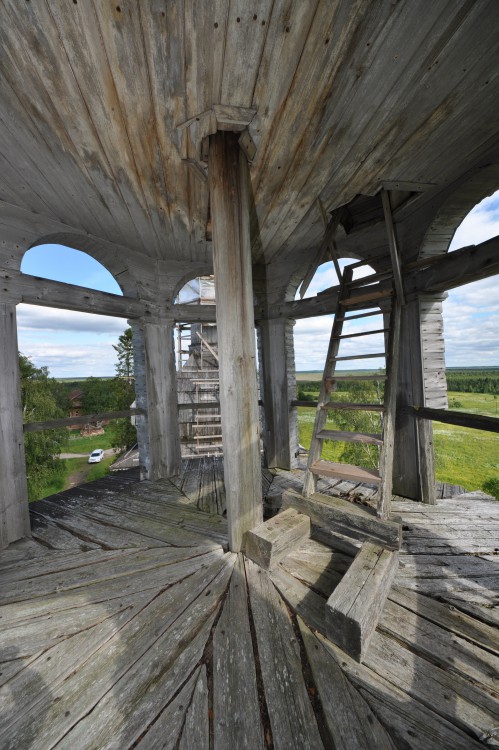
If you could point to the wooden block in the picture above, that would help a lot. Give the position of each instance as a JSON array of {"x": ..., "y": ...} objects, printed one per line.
[
  {"x": 354, "y": 608},
  {"x": 270, "y": 541},
  {"x": 345, "y": 518}
]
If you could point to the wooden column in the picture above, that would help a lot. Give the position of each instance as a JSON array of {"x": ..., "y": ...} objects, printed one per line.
[
  {"x": 420, "y": 347},
  {"x": 156, "y": 392},
  {"x": 228, "y": 180},
  {"x": 278, "y": 390},
  {"x": 14, "y": 516}
]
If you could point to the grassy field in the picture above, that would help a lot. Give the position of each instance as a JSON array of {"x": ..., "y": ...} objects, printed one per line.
[
  {"x": 79, "y": 444},
  {"x": 463, "y": 456}
]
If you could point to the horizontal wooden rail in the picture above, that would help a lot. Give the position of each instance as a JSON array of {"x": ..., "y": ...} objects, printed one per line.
[
  {"x": 460, "y": 418},
  {"x": 51, "y": 424},
  {"x": 313, "y": 404}
]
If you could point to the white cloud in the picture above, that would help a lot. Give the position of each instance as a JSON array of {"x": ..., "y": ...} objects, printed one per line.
[
  {"x": 32, "y": 317},
  {"x": 70, "y": 344}
]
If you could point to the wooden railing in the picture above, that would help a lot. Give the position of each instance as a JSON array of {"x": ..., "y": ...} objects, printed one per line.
[{"x": 460, "y": 418}]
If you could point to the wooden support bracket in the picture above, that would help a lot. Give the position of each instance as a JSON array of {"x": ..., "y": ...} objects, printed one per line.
[
  {"x": 274, "y": 539},
  {"x": 355, "y": 606},
  {"x": 220, "y": 117}
]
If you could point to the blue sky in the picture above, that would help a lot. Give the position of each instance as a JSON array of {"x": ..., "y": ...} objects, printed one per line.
[{"x": 74, "y": 344}]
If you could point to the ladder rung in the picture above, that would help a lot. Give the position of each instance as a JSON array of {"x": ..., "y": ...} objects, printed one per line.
[
  {"x": 345, "y": 471},
  {"x": 368, "y": 297},
  {"x": 354, "y": 377},
  {"x": 368, "y": 262},
  {"x": 352, "y": 407},
  {"x": 350, "y": 437},
  {"x": 362, "y": 333},
  {"x": 365, "y": 280},
  {"x": 343, "y": 319},
  {"x": 361, "y": 356}
]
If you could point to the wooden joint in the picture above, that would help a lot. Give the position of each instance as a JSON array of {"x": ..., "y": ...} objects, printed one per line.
[{"x": 195, "y": 132}]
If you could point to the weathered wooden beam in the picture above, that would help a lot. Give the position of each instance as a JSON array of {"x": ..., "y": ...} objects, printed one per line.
[
  {"x": 51, "y": 424},
  {"x": 276, "y": 361},
  {"x": 269, "y": 542},
  {"x": 229, "y": 197},
  {"x": 193, "y": 313},
  {"x": 156, "y": 396},
  {"x": 355, "y": 606},
  {"x": 14, "y": 517},
  {"x": 393, "y": 246},
  {"x": 324, "y": 304},
  {"x": 345, "y": 518},
  {"x": 460, "y": 267},
  {"x": 460, "y": 418},
  {"x": 37, "y": 291}
]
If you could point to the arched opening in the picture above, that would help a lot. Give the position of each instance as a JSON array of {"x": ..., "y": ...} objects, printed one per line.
[
  {"x": 198, "y": 382},
  {"x": 70, "y": 367},
  {"x": 464, "y": 456}
]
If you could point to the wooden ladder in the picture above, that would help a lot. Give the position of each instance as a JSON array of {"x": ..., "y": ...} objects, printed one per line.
[{"x": 356, "y": 300}]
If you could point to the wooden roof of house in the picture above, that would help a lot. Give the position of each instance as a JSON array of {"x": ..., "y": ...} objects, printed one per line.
[{"x": 341, "y": 98}]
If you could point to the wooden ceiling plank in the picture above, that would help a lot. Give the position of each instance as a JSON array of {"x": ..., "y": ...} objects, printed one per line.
[
  {"x": 204, "y": 42},
  {"x": 331, "y": 37},
  {"x": 109, "y": 81},
  {"x": 247, "y": 27},
  {"x": 25, "y": 137},
  {"x": 165, "y": 58},
  {"x": 378, "y": 83},
  {"x": 55, "y": 105}
]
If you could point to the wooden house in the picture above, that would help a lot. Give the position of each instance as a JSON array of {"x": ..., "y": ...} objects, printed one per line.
[{"x": 171, "y": 139}]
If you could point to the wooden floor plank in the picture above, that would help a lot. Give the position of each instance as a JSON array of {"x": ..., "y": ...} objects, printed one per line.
[
  {"x": 450, "y": 695},
  {"x": 171, "y": 513},
  {"x": 131, "y": 560},
  {"x": 236, "y": 713},
  {"x": 160, "y": 571},
  {"x": 449, "y": 618},
  {"x": 451, "y": 652},
  {"x": 152, "y": 531},
  {"x": 196, "y": 731},
  {"x": 410, "y": 723},
  {"x": 52, "y": 536},
  {"x": 292, "y": 719},
  {"x": 31, "y": 695},
  {"x": 95, "y": 684},
  {"x": 164, "y": 733},
  {"x": 350, "y": 721},
  {"x": 110, "y": 537},
  {"x": 102, "y": 591},
  {"x": 123, "y": 714},
  {"x": 110, "y": 633}
]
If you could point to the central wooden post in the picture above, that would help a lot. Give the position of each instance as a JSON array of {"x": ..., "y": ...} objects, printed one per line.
[{"x": 228, "y": 178}]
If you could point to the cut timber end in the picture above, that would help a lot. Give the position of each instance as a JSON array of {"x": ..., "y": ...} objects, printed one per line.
[
  {"x": 272, "y": 540},
  {"x": 354, "y": 608},
  {"x": 343, "y": 517},
  {"x": 344, "y": 471}
]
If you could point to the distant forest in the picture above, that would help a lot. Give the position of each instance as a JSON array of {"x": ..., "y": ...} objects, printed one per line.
[{"x": 463, "y": 380}]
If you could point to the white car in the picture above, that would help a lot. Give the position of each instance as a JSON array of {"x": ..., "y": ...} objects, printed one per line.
[{"x": 96, "y": 456}]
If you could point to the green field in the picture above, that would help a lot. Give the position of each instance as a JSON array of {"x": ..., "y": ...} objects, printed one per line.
[
  {"x": 462, "y": 455},
  {"x": 79, "y": 444}
]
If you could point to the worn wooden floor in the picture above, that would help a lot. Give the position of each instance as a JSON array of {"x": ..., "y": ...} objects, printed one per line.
[{"x": 125, "y": 623}]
